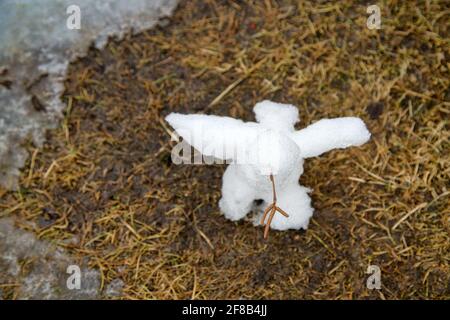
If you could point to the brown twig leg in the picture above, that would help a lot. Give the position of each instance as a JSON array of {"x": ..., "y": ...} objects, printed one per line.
[
  {"x": 282, "y": 212},
  {"x": 273, "y": 189},
  {"x": 272, "y": 209},
  {"x": 266, "y": 229},
  {"x": 265, "y": 213}
]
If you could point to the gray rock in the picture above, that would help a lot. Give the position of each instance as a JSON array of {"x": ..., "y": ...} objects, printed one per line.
[{"x": 39, "y": 268}]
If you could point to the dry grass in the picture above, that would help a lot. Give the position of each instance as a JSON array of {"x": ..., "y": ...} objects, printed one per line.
[{"x": 105, "y": 176}]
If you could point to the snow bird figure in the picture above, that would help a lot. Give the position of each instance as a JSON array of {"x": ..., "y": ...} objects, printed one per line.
[{"x": 270, "y": 147}]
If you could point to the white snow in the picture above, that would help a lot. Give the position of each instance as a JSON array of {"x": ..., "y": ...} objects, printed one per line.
[
  {"x": 327, "y": 134},
  {"x": 269, "y": 146},
  {"x": 276, "y": 115}
]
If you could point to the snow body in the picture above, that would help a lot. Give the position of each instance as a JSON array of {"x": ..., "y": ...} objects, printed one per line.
[{"x": 269, "y": 146}]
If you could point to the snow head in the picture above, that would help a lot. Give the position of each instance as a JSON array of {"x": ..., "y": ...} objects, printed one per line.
[{"x": 270, "y": 146}]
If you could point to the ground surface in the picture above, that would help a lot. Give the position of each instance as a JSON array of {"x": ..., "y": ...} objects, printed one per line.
[
  {"x": 36, "y": 47},
  {"x": 105, "y": 177}
]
